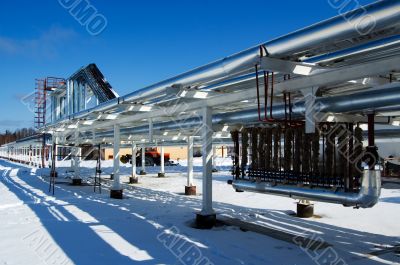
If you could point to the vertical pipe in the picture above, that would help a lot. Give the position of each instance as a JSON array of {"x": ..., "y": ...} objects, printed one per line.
[
  {"x": 206, "y": 133},
  {"x": 116, "y": 156},
  {"x": 190, "y": 162}
]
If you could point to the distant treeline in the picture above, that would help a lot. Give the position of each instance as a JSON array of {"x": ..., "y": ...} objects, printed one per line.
[{"x": 9, "y": 136}]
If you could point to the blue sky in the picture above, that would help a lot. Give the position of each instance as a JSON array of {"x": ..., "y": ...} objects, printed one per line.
[{"x": 144, "y": 41}]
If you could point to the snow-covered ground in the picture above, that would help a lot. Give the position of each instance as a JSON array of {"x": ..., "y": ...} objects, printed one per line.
[{"x": 152, "y": 225}]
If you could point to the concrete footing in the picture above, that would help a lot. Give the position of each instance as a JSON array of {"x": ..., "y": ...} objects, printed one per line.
[
  {"x": 190, "y": 190},
  {"x": 161, "y": 175},
  {"x": 305, "y": 210},
  {"x": 133, "y": 180},
  {"x": 76, "y": 182},
  {"x": 116, "y": 194},
  {"x": 206, "y": 221}
]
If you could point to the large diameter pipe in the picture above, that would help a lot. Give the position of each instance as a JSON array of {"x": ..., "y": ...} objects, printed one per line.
[
  {"x": 384, "y": 13},
  {"x": 367, "y": 197},
  {"x": 373, "y": 46},
  {"x": 365, "y": 20},
  {"x": 369, "y": 100},
  {"x": 378, "y": 16}
]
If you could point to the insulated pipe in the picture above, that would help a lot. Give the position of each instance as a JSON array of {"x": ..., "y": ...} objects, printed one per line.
[
  {"x": 386, "y": 43},
  {"x": 367, "y": 197},
  {"x": 380, "y": 15},
  {"x": 369, "y": 100},
  {"x": 364, "y": 20}
]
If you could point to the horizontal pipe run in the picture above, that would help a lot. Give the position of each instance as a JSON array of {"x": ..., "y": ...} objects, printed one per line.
[
  {"x": 335, "y": 30},
  {"x": 387, "y": 95},
  {"x": 367, "y": 197}
]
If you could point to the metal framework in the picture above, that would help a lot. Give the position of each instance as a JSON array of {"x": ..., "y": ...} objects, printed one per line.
[{"x": 335, "y": 69}]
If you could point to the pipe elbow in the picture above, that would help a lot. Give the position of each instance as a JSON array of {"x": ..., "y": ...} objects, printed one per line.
[{"x": 367, "y": 197}]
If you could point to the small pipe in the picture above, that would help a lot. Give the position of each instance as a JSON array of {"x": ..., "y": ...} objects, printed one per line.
[
  {"x": 272, "y": 95},
  {"x": 266, "y": 88}
]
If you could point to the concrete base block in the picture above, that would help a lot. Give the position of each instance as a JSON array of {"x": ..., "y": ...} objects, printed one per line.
[
  {"x": 116, "y": 194},
  {"x": 161, "y": 175},
  {"x": 142, "y": 173},
  {"x": 206, "y": 221},
  {"x": 133, "y": 180},
  {"x": 305, "y": 210},
  {"x": 76, "y": 182},
  {"x": 190, "y": 190}
]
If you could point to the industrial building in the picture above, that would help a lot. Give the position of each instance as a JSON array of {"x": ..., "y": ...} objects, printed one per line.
[{"x": 312, "y": 115}]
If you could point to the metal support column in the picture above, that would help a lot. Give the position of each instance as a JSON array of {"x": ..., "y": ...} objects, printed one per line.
[
  {"x": 309, "y": 99},
  {"x": 162, "y": 162},
  {"x": 39, "y": 157},
  {"x": 207, "y": 217},
  {"x": 77, "y": 176},
  {"x": 143, "y": 157},
  {"x": 190, "y": 189},
  {"x": 134, "y": 177},
  {"x": 214, "y": 159},
  {"x": 116, "y": 189}
]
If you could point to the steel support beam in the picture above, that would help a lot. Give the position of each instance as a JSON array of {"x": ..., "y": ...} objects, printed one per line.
[
  {"x": 161, "y": 174},
  {"x": 134, "y": 151},
  {"x": 332, "y": 77},
  {"x": 143, "y": 158},
  {"x": 190, "y": 161},
  {"x": 310, "y": 115},
  {"x": 116, "y": 189},
  {"x": 207, "y": 217}
]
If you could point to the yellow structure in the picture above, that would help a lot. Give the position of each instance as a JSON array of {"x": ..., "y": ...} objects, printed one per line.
[{"x": 176, "y": 152}]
